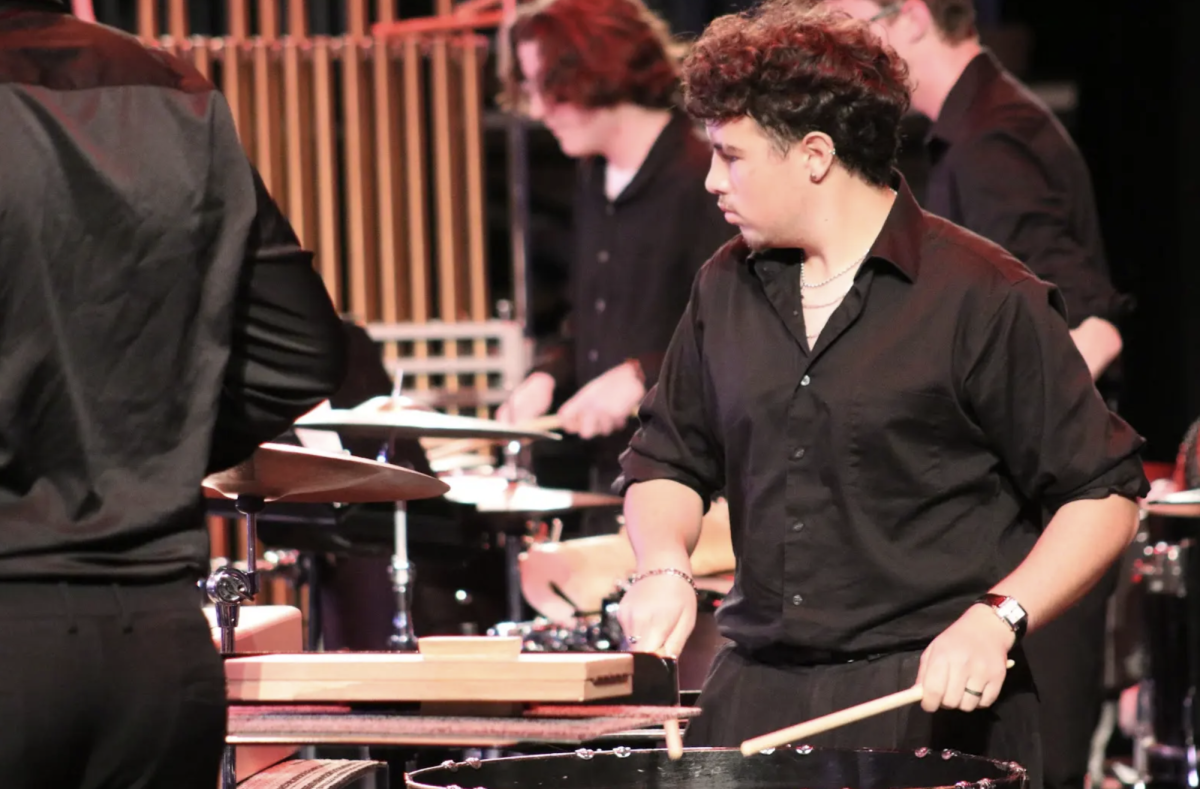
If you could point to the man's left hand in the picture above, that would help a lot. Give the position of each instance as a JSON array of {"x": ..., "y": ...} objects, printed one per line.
[
  {"x": 970, "y": 655},
  {"x": 605, "y": 404}
]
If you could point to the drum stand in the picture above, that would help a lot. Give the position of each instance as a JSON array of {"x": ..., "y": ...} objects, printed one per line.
[
  {"x": 403, "y": 639},
  {"x": 228, "y": 588},
  {"x": 402, "y": 572}
]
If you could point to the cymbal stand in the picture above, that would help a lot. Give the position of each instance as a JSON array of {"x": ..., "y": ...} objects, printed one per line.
[
  {"x": 403, "y": 637},
  {"x": 228, "y": 588}
]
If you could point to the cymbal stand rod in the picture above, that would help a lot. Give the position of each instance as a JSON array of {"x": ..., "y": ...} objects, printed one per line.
[
  {"x": 514, "y": 469},
  {"x": 250, "y": 506},
  {"x": 403, "y": 639}
]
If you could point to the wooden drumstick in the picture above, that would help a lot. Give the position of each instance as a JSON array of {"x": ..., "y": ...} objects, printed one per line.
[
  {"x": 674, "y": 739},
  {"x": 833, "y": 720}
]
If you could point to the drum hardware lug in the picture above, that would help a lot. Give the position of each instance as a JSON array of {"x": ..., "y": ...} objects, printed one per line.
[{"x": 1161, "y": 568}]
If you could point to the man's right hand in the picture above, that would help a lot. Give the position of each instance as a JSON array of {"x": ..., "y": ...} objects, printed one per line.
[
  {"x": 532, "y": 398},
  {"x": 657, "y": 614}
]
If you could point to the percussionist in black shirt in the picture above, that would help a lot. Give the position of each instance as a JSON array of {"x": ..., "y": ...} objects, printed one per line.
[
  {"x": 158, "y": 321},
  {"x": 888, "y": 400},
  {"x": 1002, "y": 166},
  {"x": 599, "y": 75}
]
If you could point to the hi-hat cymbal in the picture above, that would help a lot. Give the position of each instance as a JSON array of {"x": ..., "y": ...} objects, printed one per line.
[
  {"x": 281, "y": 472},
  {"x": 496, "y": 494},
  {"x": 374, "y": 419},
  {"x": 1181, "y": 504}
]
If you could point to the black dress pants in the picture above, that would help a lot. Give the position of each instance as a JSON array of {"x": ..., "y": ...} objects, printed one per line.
[
  {"x": 108, "y": 687},
  {"x": 746, "y": 695}
]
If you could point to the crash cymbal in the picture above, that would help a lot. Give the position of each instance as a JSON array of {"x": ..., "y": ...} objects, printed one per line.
[
  {"x": 278, "y": 472},
  {"x": 1181, "y": 497},
  {"x": 1181, "y": 504},
  {"x": 377, "y": 419},
  {"x": 490, "y": 493}
]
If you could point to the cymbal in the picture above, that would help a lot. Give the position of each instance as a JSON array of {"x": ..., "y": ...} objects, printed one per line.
[
  {"x": 489, "y": 493},
  {"x": 278, "y": 472},
  {"x": 1181, "y": 497},
  {"x": 1181, "y": 504},
  {"x": 374, "y": 419}
]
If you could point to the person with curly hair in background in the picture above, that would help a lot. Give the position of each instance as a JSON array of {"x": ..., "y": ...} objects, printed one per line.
[
  {"x": 599, "y": 74},
  {"x": 888, "y": 400}
]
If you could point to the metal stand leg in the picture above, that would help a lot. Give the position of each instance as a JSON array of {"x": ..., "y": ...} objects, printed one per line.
[
  {"x": 403, "y": 638},
  {"x": 312, "y": 576},
  {"x": 515, "y": 603},
  {"x": 229, "y": 768},
  {"x": 227, "y": 588}
]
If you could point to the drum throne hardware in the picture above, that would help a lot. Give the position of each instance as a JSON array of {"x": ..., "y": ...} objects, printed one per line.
[
  {"x": 1165, "y": 748},
  {"x": 277, "y": 472}
]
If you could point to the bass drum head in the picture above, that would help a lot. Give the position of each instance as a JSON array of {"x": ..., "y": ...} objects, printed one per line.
[{"x": 726, "y": 768}]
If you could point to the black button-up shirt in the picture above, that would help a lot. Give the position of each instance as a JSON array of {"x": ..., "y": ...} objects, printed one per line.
[
  {"x": 636, "y": 257},
  {"x": 882, "y": 480},
  {"x": 158, "y": 318},
  {"x": 1003, "y": 166}
]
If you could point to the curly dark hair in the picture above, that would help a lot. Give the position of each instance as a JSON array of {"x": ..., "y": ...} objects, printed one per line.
[
  {"x": 797, "y": 70},
  {"x": 599, "y": 53}
]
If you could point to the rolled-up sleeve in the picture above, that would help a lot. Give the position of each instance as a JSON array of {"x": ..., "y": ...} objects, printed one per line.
[
  {"x": 1033, "y": 397},
  {"x": 676, "y": 439}
]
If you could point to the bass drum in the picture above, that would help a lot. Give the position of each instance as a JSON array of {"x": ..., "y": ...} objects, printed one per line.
[{"x": 717, "y": 768}]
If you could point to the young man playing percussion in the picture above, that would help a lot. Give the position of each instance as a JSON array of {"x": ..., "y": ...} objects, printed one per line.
[
  {"x": 599, "y": 75},
  {"x": 888, "y": 401},
  {"x": 1002, "y": 166}
]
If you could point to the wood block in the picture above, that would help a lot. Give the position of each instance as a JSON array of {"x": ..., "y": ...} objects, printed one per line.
[
  {"x": 397, "y": 677},
  {"x": 469, "y": 648}
]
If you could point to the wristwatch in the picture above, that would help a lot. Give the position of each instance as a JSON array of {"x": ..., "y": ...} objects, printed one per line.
[{"x": 1009, "y": 611}]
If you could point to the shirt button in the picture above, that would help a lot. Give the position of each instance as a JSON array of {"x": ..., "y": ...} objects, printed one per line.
[
  {"x": 798, "y": 454},
  {"x": 593, "y": 355},
  {"x": 602, "y": 256},
  {"x": 805, "y": 381},
  {"x": 610, "y": 209},
  {"x": 797, "y": 526},
  {"x": 600, "y": 305},
  {"x": 797, "y": 600}
]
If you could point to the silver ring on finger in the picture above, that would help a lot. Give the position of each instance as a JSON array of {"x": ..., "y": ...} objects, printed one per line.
[
  {"x": 976, "y": 693},
  {"x": 632, "y": 639}
]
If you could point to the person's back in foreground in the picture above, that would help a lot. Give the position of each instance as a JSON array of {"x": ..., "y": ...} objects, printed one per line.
[{"x": 158, "y": 321}]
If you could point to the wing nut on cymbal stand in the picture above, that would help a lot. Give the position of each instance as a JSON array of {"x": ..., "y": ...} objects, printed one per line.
[{"x": 228, "y": 587}]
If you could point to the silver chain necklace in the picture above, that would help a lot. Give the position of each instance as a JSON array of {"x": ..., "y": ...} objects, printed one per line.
[{"x": 841, "y": 273}]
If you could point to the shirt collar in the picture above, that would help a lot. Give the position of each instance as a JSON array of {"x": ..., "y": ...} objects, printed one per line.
[
  {"x": 665, "y": 150},
  {"x": 982, "y": 71},
  {"x": 898, "y": 242}
]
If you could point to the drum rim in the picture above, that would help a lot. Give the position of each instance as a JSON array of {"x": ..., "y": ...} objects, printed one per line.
[{"x": 1015, "y": 772}]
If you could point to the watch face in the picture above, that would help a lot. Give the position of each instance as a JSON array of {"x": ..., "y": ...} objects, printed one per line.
[{"x": 1011, "y": 610}]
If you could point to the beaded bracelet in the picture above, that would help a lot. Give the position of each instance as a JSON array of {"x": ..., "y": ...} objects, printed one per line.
[{"x": 665, "y": 571}]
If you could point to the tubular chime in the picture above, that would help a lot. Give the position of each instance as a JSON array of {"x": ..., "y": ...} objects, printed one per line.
[{"x": 371, "y": 143}]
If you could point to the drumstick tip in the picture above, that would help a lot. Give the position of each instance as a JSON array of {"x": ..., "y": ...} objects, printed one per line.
[{"x": 674, "y": 740}]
